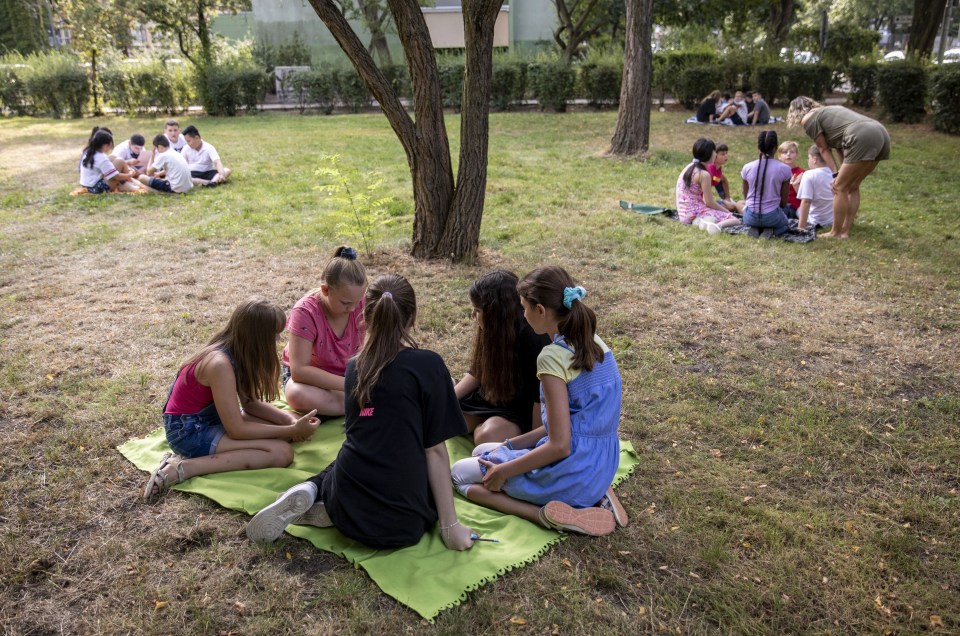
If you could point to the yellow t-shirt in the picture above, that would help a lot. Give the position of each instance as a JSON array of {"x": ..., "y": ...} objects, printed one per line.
[{"x": 557, "y": 361}]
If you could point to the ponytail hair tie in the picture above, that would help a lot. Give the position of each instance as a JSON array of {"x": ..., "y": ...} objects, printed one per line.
[
  {"x": 386, "y": 294},
  {"x": 571, "y": 294},
  {"x": 348, "y": 253},
  {"x": 695, "y": 160}
]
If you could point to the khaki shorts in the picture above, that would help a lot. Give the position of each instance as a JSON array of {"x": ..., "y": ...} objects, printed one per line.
[{"x": 866, "y": 141}]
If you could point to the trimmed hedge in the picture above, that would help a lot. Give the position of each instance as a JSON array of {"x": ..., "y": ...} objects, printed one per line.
[
  {"x": 599, "y": 82},
  {"x": 695, "y": 83},
  {"x": 351, "y": 90},
  {"x": 863, "y": 83},
  {"x": 451, "y": 71},
  {"x": 903, "y": 90},
  {"x": 508, "y": 84},
  {"x": 552, "y": 82},
  {"x": 13, "y": 92},
  {"x": 945, "y": 98},
  {"x": 228, "y": 89},
  {"x": 315, "y": 87},
  {"x": 399, "y": 77},
  {"x": 144, "y": 87},
  {"x": 782, "y": 82},
  {"x": 56, "y": 84}
]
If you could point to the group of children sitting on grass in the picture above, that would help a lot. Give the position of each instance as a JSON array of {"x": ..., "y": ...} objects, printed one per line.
[
  {"x": 175, "y": 163},
  {"x": 775, "y": 189},
  {"x": 742, "y": 109},
  {"x": 541, "y": 402}
]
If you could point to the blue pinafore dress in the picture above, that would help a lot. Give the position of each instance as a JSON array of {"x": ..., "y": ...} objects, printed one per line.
[{"x": 583, "y": 477}]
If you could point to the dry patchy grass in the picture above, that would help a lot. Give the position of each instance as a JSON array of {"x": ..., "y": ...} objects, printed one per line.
[{"x": 797, "y": 424}]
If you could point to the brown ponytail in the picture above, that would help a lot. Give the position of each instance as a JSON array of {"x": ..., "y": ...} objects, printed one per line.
[
  {"x": 389, "y": 312},
  {"x": 577, "y": 324}
]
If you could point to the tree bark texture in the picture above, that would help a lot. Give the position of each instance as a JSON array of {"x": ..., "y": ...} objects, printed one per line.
[
  {"x": 446, "y": 217},
  {"x": 632, "y": 134},
  {"x": 781, "y": 18},
  {"x": 927, "y": 15},
  {"x": 461, "y": 233}
]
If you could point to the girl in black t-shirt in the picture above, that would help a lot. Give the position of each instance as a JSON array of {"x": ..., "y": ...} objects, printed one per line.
[
  {"x": 390, "y": 482},
  {"x": 500, "y": 395}
]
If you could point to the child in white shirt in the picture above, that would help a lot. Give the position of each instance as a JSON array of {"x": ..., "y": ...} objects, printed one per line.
[
  {"x": 169, "y": 165},
  {"x": 171, "y": 130},
  {"x": 815, "y": 192},
  {"x": 203, "y": 160}
]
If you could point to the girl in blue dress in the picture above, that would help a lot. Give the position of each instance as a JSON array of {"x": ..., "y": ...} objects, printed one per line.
[{"x": 559, "y": 474}]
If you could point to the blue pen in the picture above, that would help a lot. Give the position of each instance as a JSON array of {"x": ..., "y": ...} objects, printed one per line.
[{"x": 476, "y": 537}]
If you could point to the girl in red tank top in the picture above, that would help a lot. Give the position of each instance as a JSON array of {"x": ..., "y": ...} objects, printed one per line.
[{"x": 218, "y": 416}]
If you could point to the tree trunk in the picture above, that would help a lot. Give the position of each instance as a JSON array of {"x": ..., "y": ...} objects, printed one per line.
[
  {"x": 374, "y": 20},
  {"x": 461, "y": 233},
  {"x": 632, "y": 134},
  {"x": 923, "y": 29},
  {"x": 781, "y": 17},
  {"x": 93, "y": 83}
]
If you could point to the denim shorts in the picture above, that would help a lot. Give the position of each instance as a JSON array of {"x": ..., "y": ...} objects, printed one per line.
[
  {"x": 775, "y": 219},
  {"x": 100, "y": 187},
  {"x": 194, "y": 434},
  {"x": 284, "y": 374}
]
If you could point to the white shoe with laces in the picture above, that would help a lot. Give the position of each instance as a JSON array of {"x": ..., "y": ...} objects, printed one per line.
[{"x": 268, "y": 524}]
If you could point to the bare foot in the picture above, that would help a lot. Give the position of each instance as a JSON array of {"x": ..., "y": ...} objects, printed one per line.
[
  {"x": 829, "y": 234},
  {"x": 844, "y": 236}
]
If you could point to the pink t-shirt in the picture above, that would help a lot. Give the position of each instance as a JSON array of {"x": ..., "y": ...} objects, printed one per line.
[
  {"x": 308, "y": 321},
  {"x": 188, "y": 396}
]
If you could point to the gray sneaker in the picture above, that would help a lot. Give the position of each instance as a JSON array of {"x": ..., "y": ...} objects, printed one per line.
[
  {"x": 315, "y": 516},
  {"x": 767, "y": 233},
  {"x": 268, "y": 524},
  {"x": 612, "y": 503}
]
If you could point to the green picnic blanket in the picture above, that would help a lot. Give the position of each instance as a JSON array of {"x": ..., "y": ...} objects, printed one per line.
[{"x": 425, "y": 577}]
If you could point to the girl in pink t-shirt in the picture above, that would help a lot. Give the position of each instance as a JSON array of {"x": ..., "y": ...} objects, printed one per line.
[
  {"x": 203, "y": 419},
  {"x": 326, "y": 330},
  {"x": 695, "y": 202}
]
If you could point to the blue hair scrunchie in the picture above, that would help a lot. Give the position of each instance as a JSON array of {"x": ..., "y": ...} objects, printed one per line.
[
  {"x": 348, "y": 253},
  {"x": 571, "y": 294}
]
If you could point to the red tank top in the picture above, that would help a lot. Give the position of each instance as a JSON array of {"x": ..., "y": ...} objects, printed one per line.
[{"x": 188, "y": 396}]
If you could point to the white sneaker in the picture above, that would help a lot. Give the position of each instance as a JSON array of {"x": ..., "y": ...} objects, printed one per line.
[
  {"x": 268, "y": 524},
  {"x": 711, "y": 228}
]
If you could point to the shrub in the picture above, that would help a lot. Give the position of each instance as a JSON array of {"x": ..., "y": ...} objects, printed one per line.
[
  {"x": 293, "y": 52},
  {"x": 736, "y": 68},
  {"x": 945, "y": 98},
  {"x": 674, "y": 63},
  {"x": 844, "y": 42},
  {"x": 399, "y": 77},
  {"x": 230, "y": 88},
  {"x": 812, "y": 80},
  {"x": 508, "y": 83},
  {"x": 863, "y": 83},
  {"x": 552, "y": 81},
  {"x": 146, "y": 86},
  {"x": 902, "y": 90},
  {"x": 351, "y": 91},
  {"x": 600, "y": 82},
  {"x": 315, "y": 87},
  {"x": 13, "y": 93},
  {"x": 694, "y": 83},
  {"x": 56, "y": 83},
  {"x": 451, "y": 71},
  {"x": 768, "y": 81}
]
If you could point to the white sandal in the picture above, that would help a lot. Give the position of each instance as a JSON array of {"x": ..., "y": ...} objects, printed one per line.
[{"x": 159, "y": 482}]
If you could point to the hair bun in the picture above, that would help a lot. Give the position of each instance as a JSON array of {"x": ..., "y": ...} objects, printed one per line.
[{"x": 348, "y": 253}]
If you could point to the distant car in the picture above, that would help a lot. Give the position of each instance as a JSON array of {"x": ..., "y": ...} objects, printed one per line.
[
  {"x": 893, "y": 56},
  {"x": 951, "y": 55}
]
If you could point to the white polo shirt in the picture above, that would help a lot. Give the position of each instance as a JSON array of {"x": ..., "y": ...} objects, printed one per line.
[
  {"x": 201, "y": 160},
  {"x": 177, "y": 172},
  {"x": 102, "y": 168}
]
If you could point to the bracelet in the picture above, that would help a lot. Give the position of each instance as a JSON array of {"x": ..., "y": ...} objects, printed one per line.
[
  {"x": 443, "y": 527},
  {"x": 507, "y": 442}
]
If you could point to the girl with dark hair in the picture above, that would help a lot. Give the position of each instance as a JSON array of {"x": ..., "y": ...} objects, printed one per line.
[
  {"x": 766, "y": 186},
  {"x": 500, "y": 396},
  {"x": 98, "y": 174},
  {"x": 707, "y": 111},
  {"x": 326, "y": 329},
  {"x": 203, "y": 418},
  {"x": 390, "y": 482},
  {"x": 695, "y": 202},
  {"x": 559, "y": 474}
]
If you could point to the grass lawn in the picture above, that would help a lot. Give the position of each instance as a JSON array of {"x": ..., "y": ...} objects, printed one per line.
[{"x": 796, "y": 407}]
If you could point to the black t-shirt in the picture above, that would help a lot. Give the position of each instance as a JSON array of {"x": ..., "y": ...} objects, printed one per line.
[
  {"x": 377, "y": 491},
  {"x": 708, "y": 108},
  {"x": 518, "y": 409}
]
